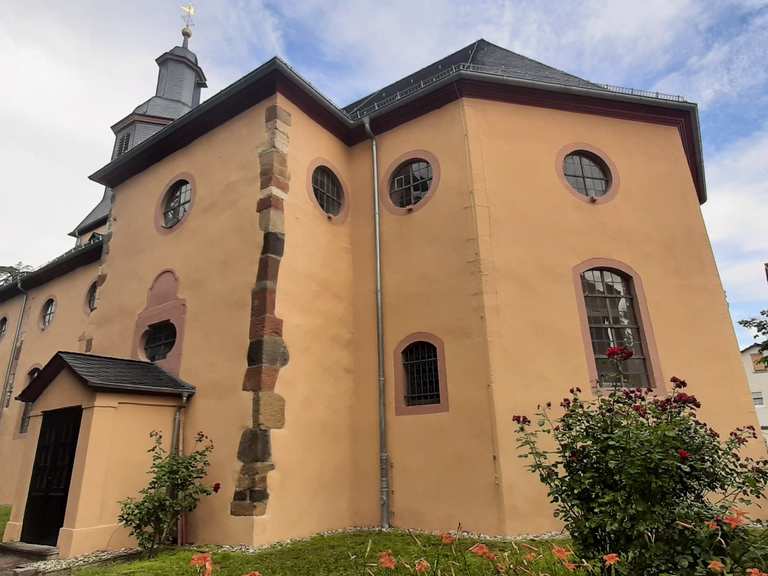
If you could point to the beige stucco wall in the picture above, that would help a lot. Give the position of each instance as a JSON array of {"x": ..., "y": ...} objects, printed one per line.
[
  {"x": 536, "y": 232},
  {"x": 325, "y": 457},
  {"x": 214, "y": 253},
  {"x": 110, "y": 462},
  {"x": 442, "y": 463},
  {"x": 67, "y": 332},
  {"x": 486, "y": 264}
]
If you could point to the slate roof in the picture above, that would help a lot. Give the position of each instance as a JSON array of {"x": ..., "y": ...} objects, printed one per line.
[
  {"x": 480, "y": 67},
  {"x": 482, "y": 56},
  {"x": 105, "y": 373},
  {"x": 95, "y": 217}
]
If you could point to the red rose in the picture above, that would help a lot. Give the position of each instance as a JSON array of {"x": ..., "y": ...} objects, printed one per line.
[
  {"x": 619, "y": 353},
  {"x": 684, "y": 454}
]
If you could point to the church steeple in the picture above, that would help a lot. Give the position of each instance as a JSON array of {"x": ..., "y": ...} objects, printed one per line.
[{"x": 179, "y": 83}]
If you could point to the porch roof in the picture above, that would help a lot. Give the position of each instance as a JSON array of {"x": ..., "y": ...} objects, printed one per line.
[{"x": 105, "y": 373}]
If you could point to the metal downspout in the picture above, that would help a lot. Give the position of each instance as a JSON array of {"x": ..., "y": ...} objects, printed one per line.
[
  {"x": 177, "y": 446},
  {"x": 383, "y": 453},
  {"x": 6, "y": 392}
]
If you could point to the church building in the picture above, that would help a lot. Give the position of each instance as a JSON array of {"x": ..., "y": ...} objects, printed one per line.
[{"x": 352, "y": 303}]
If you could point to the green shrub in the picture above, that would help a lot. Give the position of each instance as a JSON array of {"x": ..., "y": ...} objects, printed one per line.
[
  {"x": 175, "y": 487},
  {"x": 639, "y": 475}
]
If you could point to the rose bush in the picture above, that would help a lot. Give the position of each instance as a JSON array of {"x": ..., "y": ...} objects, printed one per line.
[{"x": 639, "y": 479}]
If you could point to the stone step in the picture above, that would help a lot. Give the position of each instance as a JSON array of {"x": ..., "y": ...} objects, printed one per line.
[{"x": 35, "y": 552}]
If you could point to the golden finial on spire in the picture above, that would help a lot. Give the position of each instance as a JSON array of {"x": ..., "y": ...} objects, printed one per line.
[{"x": 188, "y": 13}]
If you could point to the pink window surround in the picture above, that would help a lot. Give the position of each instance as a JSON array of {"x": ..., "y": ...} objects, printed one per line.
[
  {"x": 643, "y": 319},
  {"x": 386, "y": 182},
  {"x": 560, "y": 171},
  {"x": 341, "y": 217},
  {"x": 163, "y": 304},
  {"x": 160, "y": 206},
  {"x": 401, "y": 408}
]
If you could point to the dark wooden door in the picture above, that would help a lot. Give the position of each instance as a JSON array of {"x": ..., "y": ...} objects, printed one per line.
[{"x": 51, "y": 473}]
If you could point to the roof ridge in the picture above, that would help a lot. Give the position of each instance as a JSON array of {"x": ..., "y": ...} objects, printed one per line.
[
  {"x": 535, "y": 61},
  {"x": 359, "y": 103},
  {"x": 89, "y": 355}
]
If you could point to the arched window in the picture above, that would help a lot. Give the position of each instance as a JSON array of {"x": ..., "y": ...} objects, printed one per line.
[
  {"x": 328, "y": 190},
  {"x": 3, "y": 326},
  {"x": 422, "y": 375},
  {"x": 587, "y": 173},
  {"x": 159, "y": 340},
  {"x": 48, "y": 312},
  {"x": 613, "y": 321},
  {"x": 410, "y": 183},
  {"x": 91, "y": 296},
  {"x": 178, "y": 201}
]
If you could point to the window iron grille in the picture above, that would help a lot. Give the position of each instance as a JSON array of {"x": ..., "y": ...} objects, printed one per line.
[
  {"x": 92, "y": 294},
  {"x": 49, "y": 311},
  {"x": 177, "y": 203},
  {"x": 422, "y": 376},
  {"x": 159, "y": 340},
  {"x": 612, "y": 321},
  {"x": 410, "y": 183},
  {"x": 327, "y": 190},
  {"x": 587, "y": 174}
]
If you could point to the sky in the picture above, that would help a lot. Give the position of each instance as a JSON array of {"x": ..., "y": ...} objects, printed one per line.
[{"x": 72, "y": 69}]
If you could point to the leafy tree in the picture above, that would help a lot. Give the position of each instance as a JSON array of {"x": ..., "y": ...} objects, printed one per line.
[
  {"x": 175, "y": 487},
  {"x": 760, "y": 326}
]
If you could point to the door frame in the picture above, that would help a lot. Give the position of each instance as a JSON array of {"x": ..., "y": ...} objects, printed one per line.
[{"x": 32, "y": 527}]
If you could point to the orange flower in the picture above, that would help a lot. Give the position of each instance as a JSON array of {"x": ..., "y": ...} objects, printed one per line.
[
  {"x": 483, "y": 551},
  {"x": 755, "y": 572},
  {"x": 711, "y": 524},
  {"x": 734, "y": 521},
  {"x": 203, "y": 562},
  {"x": 422, "y": 566},
  {"x": 530, "y": 557},
  {"x": 386, "y": 560},
  {"x": 447, "y": 538},
  {"x": 570, "y": 566},
  {"x": 561, "y": 553},
  {"x": 254, "y": 573},
  {"x": 611, "y": 559},
  {"x": 716, "y": 566}
]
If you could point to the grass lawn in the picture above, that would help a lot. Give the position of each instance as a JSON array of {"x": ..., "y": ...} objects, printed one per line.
[
  {"x": 5, "y": 513},
  {"x": 338, "y": 554}
]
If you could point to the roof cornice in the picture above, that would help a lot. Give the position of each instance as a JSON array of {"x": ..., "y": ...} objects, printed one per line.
[
  {"x": 277, "y": 76},
  {"x": 75, "y": 258}
]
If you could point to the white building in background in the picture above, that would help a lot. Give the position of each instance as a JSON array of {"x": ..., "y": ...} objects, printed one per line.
[{"x": 757, "y": 376}]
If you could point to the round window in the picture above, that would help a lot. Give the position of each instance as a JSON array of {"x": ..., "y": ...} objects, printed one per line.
[
  {"x": 587, "y": 173},
  {"x": 410, "y": 183},
  {"x": 328, "y": 191},
  {"x": 159, "y": 340},
  {"x": 178, "y": 201},
  {"x": 48, "y": 312}
]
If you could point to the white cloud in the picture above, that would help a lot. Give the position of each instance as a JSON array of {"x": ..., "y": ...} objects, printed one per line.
[
  {"x": 733, "y": 67},
  {"x": 73, "y": 69}
]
